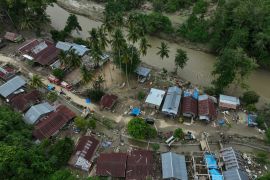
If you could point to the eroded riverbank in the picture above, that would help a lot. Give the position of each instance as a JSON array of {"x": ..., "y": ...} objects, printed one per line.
[{"x": 198, "y": 69}]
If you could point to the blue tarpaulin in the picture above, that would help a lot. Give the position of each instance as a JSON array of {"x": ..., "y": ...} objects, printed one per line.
[
  {"x": 210, "y": 161},
  {"x": 88, "y": 101},
  {"x": 135, "y": 112},
  {"x": 221, "y": 122},
  {"x": 50, "y": 87},
  {"x": 187, "y": 94},
  {"x": 215, "y": 174},
  {"x": 252, "y": 120},
  {"x": 195, "y": 94}
]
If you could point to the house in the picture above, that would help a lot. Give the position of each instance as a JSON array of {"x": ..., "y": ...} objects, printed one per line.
[
  {"x": 143, "y": 73},
  {"x": 6, "y": 72},
  {"x": 140, "y": 165},
  {"x": 84, "y": 153},
  {"x": 112, "y": 164},
  {"x": 234, "y": 164},
  {"x": 80, "y": 50},
  {"x": 22, "y": 102},
  {"x": 228, "y": 102},
  {"x": 155, "y": 98},
  {"x": 13, "y": 37},
  {"x": 42, "y": 52},
  {"x": 172, "y": 101},
  {"x": 90, "y": 64},
  {"x": 51, "y": 124},
  {"x": 189, "y": 107},
  {"x": 173, "y": 166},
  {"x": 207, "y": 109},
  {"x": 11, "y": 86},
  {"x": 108, "y": 101},
  {"x": 36, "y": 112},
  {"x": 235, "y": 174}
]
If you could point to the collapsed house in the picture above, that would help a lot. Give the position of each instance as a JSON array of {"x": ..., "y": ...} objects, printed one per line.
[
  {"x": 143, "y": 73},
  {"x": 108, "y": 101},
  {"x": 13, "y": 37}
]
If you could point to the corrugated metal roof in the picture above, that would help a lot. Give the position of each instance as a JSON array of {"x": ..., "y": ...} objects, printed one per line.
[
  {"x": 64, "y": 46},
  {"x": 232, "y": 158},
  {"x": 12, "y": 85},
  {"x": 143, "y": 71},
  {"x": 35, "y": 112},
  {"x": 228, "y": 101},
  {"x": 79, "y": 49},
  {"x": 174, "y": 166},
  {"x": 155, "y": 97},
  {"x": 172, "y": 101},
  {"x": 235, "y": 174},
  {"x": 189, "y": 106}
]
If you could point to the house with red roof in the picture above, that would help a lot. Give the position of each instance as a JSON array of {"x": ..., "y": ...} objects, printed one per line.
[
  {"x": 23, "y": 102},
  {"x": 7, "y": 72},
  {"x": 50, "y": 125},
  {"x": 206, "y": 108},
  {"x": 84, "y": 153},
  {"x": 140, "y": 165},
  {"x": 190, "y": 107},
  {"x": 112, "y": 165},
  {"x": 42, "y": 52},
  {"x": 108, "y": 101}
]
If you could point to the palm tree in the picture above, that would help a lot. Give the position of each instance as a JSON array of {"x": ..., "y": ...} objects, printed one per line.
[
  {"x": 36, "y": 81},
  {"x": 118, "y": 45},
  {"x": 98, "y": 83},
  {"x": 163, "y": 50},
  {"x": 74, "y": 60},
  {"x": 126, "y": 60},
  {"x": 103, "y": 38},
  {"x": 180, "y": 59},
  {"x": 144, "y": 46},
  {"x": 96, "y": 54},
  {"x": 63, "y": 58},
  {"x": 86, "y": 74},
  {"x": 94, "y": 38}
]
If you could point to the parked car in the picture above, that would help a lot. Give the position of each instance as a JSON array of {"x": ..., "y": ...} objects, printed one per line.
[
  {"x": 149, "y": 120},
  {"x": 66, "y": 85},
  {"x": 53, "y": 79}
]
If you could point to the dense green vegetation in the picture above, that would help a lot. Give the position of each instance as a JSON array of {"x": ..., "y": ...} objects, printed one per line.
[
  {"x": 21, "y": 158},
  {"x": 139, "y": 129}
]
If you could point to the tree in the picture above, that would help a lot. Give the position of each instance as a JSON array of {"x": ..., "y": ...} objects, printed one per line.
[
  {"x": 180, "y": 59},
  {"x": 139, "y": 129},
  {"x": 52, "y": 96},
  {"x": 103, "y": 38},
  {"x": 87, "y": 75},
  {"x": 63, "y": 57},
  {"x": 250, "y": 97},
  {"x": 63, "y": 174},
  {"x": 267, "y": 134},
  {"x": 144, "y": 46},
  {"x": 72, "y": 24},
  {"x": 59, "y": 73},
  {"x": 74, "y": 60},
  {"x": 232, "y": 66},
  {"x": 264, "y": 177},
  {"x": 179, "y": 133},
  {"x": 163, "y": 50},
  {"x": 81, "y": 123},
  {"x": 36, "y": 81}
]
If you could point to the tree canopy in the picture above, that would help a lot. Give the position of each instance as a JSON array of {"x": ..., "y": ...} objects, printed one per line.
[{"x": 139, "y": 129}]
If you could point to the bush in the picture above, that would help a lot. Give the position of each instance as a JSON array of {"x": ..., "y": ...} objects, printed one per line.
[
  {"x": 267, "y": 135},
  {"x": 155, "y": 147},
  {"x": 139, "y": 129},
  {"x": 58, "y": 35},
  {"x": 250, "y": 97},
  {"x": 210, "y": 90},
  {"x": 95, "y": 94},
  {"x": 178, "y": 133},
  {"x": 141, "y": 95},
  {"x": 59, "y": 73},
  {"x": 84, "y": 124},
  {"x": 262, "y": 158},
  {"x": 156, "y": 23},
  {"x": 200, "y": 7},
  {"x": 52, "y": 96},
  {"x": 251, "y": 108}
]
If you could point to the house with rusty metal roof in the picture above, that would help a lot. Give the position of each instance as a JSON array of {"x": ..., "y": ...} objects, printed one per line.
[
  {"x": 171, "y": 105},
  {"x": 22, "y": 102},
  {"x": 112, "y": 165},
  {"x": 140, "y": 165},
  {"x": 108, "y": 101},
  {"x": 84, "y": 153},
  {"x": 189, "y": 107},
  {"x": 7, "y": 72},
  {"x": 206, "y": 108},
  {"x": 228, "y": 102},
  {"x": 42, "y": 52},
  {"x": 51, "y": 124}
]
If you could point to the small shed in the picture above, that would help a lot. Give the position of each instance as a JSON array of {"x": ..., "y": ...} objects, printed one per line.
[
  {"x": 13, "y": 37},
  {"x": 143, "y": 73},
  {"x": 172, "y": 101},
  {"x": 228, "y": 102},
  {"x": 173, "y": 166},
  {"x": 155, "y": 98}
]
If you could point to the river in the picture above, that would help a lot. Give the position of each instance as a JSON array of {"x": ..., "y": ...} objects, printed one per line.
[{"x": 198, "y": 69}]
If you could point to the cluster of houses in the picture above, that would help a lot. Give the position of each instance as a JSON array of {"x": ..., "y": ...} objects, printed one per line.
[{"x": 192, "y": 104}]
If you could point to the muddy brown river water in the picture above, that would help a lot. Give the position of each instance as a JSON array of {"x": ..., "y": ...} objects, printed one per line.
[{"x": 198, "y": 69}]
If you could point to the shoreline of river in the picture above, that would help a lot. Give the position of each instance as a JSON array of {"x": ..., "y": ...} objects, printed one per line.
[{"x": 99, "y": 18}]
